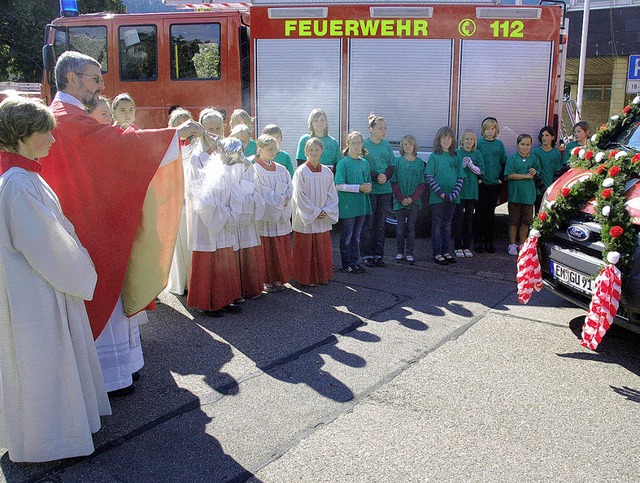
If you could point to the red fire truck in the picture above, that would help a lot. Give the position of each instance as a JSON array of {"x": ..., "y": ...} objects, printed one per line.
[{"x": 421, "y": 66}]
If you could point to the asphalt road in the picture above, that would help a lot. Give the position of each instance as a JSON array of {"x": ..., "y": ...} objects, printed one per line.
[{"x": 422, "y": 373}]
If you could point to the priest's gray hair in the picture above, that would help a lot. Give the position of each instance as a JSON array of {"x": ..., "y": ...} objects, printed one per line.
[{"x": 71, "y": 61}]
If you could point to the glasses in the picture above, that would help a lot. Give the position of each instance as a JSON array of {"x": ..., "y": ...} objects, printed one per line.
[{"x": 96, "y": 78}]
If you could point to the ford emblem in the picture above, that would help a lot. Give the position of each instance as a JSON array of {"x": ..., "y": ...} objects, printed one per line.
[{"x": 578, "y": 232}]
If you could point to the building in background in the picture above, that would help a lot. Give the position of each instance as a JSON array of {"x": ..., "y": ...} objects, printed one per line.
[{"x": 614, "y": 35}]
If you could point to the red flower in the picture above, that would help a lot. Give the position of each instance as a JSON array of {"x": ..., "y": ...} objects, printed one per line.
[
  {"x": 575, "y": 151},
  {"x": 606, "y": 193},
  {"x": 612, "y": 153},
  {"x": 616, "y": 231},
  {"x": 565, "y": 192},
  {"x": 601, "y": 168},
  {"x": 603, "y": 127},
  {"x": 615, "y": 170},
  {"x": 626, "y": 109},
  {"x": 542, "y": 216},
  {"x": 588, "y": 155},
  {"x": 636, "y": 158}
]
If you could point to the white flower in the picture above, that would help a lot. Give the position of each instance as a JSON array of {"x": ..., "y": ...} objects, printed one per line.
[
  {"x": 581, "y": 153},
  {"x": 594, "y": 138},
  {"x": 621, "y": 154},
  {"x": 615, "y": 118},
  {"x": 613, "y": 257},
  {"x": 600, "y": 156},
  {"x": 606, "y": 210},
  {"x": 608, "y": 182},
  {"x": 636, "y": 100}
]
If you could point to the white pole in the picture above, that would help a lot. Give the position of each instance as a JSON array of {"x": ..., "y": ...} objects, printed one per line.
[{"x": 583, "y": 55}]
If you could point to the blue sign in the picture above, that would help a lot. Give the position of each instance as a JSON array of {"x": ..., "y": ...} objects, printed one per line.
[{"x": 634, "y": 67}]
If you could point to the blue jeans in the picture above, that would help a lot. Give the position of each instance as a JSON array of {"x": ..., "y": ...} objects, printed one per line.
[
  {"x": 441, "y": 221},
  {"x": 372, "y": 243},
  {"x": 463, "y": 224},
  {"x": 406, "y": 229},
  {"x": 350, "y": 240}
]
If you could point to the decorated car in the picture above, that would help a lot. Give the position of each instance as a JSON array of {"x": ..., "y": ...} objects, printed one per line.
[{"x": 584, "y": 244}]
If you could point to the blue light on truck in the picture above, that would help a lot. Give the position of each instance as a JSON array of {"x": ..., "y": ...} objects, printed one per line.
[{"x": 69, "y": 8}]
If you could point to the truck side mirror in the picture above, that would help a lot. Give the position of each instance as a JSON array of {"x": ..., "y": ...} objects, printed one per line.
[{"x": 48, "y": 57}]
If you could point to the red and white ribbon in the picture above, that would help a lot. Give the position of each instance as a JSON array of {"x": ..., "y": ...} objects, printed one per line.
[
  {"x": 604, "y": 304},
  {"x": 529, "y": 274}
]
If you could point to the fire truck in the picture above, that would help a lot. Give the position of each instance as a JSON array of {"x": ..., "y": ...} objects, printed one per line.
[{"x": 420, "y": 65}]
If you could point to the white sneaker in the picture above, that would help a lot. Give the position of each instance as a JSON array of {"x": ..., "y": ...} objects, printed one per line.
[
  {"x": 513, "y": 249},
  {"x": 459, "y": 253},
  {"x": 468, "y": 253}
]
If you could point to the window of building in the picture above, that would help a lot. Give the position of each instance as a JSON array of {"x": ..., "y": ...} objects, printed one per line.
[
  {"x": 138, "y": 47},
  {"x": 195, "y": 51}
]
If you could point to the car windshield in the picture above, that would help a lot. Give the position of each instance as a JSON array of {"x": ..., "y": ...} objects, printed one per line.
[{"x": 629, "y": 137}]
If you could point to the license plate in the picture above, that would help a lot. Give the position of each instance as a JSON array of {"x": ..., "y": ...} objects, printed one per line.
[{"x": 573, "y": 279}]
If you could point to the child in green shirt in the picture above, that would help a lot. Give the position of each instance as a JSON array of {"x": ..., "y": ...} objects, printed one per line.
[
  {"x": 520, "y": 170},
  {"x": 353, "y": 182},
  {"x": 319, "y": 127},
  {"x": 550, "y": 160}
]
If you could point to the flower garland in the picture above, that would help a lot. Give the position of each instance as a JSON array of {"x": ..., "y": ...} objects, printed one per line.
[{"x": 611, "y": 171}]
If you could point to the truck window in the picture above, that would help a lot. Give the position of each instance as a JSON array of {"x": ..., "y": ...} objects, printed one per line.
[
  {"x": 91, "y": 41},
  {"x": 138, "y": 47},
  {"x": 195, "y": 51}
]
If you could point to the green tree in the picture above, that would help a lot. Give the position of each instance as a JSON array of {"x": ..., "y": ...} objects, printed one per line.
[{"x": 22, "y": 26}]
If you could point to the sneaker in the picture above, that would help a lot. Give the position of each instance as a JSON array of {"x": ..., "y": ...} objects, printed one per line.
[
  {"x": 350, "y": 269},
  {"x": 380, "y": 262},
  {"x": 279, "y": 286},
  {"x": 369, "y": 262},
  {"x": 449, "y": 258},
  {"x": 468, "y": 253},
  {"x": 513, "y": 249},
  {"x": 410, "y": 260},
  {"x": 359, "y": 269},
  {"x": 459, "y": 253},
  {"x": 269, "y": 288},
  {"x": 399, "y": 258}
]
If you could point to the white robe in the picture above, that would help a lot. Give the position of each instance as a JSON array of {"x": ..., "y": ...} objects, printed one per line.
[
  {"x": 51, "y": 388},
  {"x": 276, "y": 189},
  {"x": 181, "y": 262},
  {"x": 214, "y": 203},
  {"x": 252, "y": 206},
  {"x": 313, "y": 193}
]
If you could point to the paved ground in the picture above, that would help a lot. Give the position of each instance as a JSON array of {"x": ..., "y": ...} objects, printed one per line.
[{"x": 422, "y": 373}]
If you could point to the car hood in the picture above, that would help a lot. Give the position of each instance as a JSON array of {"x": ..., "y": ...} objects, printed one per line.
[{"x": 568, "y": 179}]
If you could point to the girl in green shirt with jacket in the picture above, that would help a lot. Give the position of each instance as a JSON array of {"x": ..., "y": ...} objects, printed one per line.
[{"x": 353, "y": 182}]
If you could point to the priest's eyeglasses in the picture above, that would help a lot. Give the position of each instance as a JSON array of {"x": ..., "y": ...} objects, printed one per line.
[{"x": 96, "y": 78}]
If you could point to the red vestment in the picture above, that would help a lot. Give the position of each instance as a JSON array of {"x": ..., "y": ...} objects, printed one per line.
[{"x": 101, "y": 175}]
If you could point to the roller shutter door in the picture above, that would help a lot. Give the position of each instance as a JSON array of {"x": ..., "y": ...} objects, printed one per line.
[
  {"x": 293, "y": 77},
  {"x": 407, "y": 81},
  {"x": 506, "y": 80}
]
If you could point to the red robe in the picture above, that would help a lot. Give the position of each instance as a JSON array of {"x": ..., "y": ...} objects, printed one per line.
[{"x": 101, "y": 175}]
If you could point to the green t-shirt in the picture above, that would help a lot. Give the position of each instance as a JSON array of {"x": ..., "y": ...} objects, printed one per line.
[
  {"x": 330, "y": 155},
  {"x": 521, "y": 190},
  {"x": 251, "y": 149},
  {"x": 407, "y": 175},
  {"x": 446, "y": 169},
  {"x": 380, "y": 157},
  {"x": 550, "y": 162},
  {"x": 353, "y": 171},
  {"x": 469, "y": 189},
  {"x": 284, "y": 159},
  {"x": 495, "y": 157}
]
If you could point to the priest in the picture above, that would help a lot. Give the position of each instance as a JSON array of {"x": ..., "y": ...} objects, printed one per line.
[{"x": 123, "y": 191}]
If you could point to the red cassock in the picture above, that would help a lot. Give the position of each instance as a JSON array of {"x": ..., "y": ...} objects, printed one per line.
[{"x": 101, "y": 175}]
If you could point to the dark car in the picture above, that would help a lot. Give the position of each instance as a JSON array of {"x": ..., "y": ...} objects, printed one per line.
[{"x": 573, "y": 256}]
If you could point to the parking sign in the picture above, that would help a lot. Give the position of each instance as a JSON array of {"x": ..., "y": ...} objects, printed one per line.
[{"x": 634, "y": 67}]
